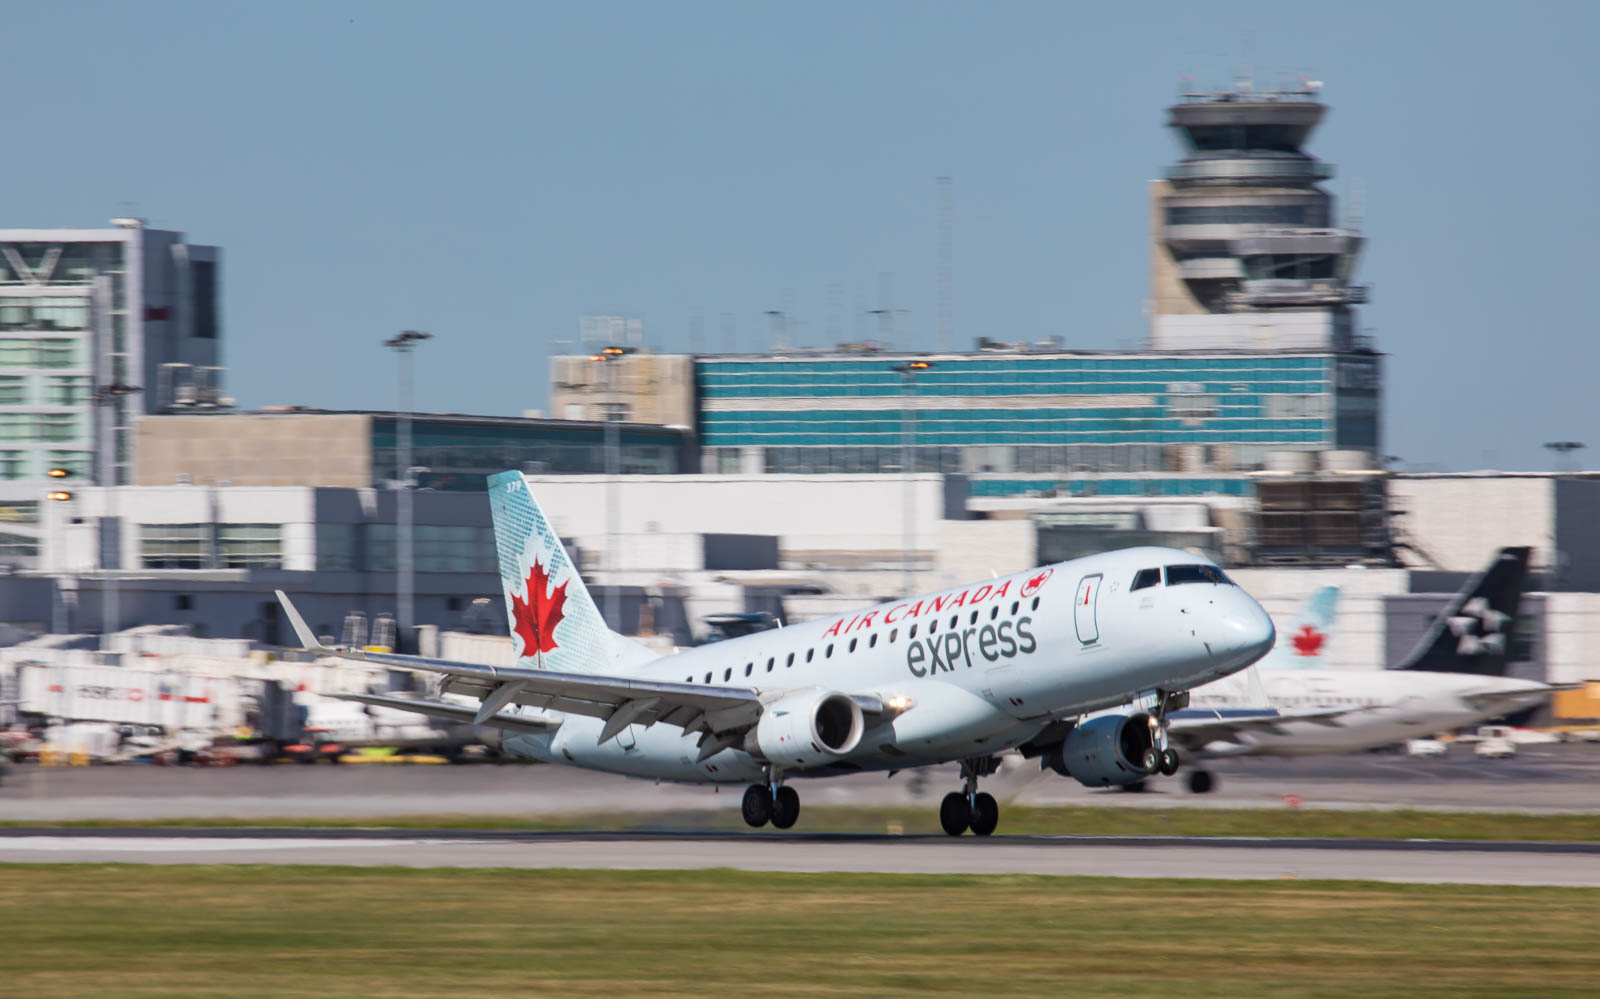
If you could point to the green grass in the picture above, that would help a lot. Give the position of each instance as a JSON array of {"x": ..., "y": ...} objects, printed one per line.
[
  {"x": 1095, "y": 820},
  {"x": 246, "y": 931}
]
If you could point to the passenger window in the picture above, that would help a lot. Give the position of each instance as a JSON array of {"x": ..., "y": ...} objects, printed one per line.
[
  {"x": 790, "y": 662},
  {"x": 994, "y": 612},
  {"x": 912, "y": 633},
  {"x": 852, "y": 645},
  {"x": 748, "y": 667},
  {"x": 933, "y": 626},
  {"x": 892, "y": 633},
  {"x": 708, "y": 677},
  {"x": 1035, "y": 603},
  {"x": 1177, "y": 575},
  {"x": 872, "y": 640},
  {"x": 808, "y": 654},
  {"x": 1146, "y": 577},
  {"x": 688, "y": 679},
  {"x": 1013, "y": 608},
  {"x": 974, "y": 618},
  {"x": 727, "y": 674},
  {"x": 955, "y": 620},
  {"x": 828, "y": 652},
  {"x": 769, "y": 665}
]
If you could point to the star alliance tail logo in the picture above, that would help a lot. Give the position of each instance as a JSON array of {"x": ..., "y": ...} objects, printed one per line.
[
  {"x": 1479, "y": 629},
  {"x": 534, "y": 620}
]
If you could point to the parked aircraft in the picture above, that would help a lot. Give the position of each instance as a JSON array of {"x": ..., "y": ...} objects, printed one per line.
[
  {"x": 1453, "y": 678},
  {"x": 957, "y": 675}
]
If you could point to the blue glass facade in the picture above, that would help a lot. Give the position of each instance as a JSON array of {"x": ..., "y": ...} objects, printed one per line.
[{"x": 1019, "y": 412}]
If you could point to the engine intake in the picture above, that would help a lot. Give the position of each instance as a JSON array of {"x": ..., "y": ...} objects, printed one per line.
[
  {"x": 1104, "y": 751},
  {"x": 808, "y": 729}
]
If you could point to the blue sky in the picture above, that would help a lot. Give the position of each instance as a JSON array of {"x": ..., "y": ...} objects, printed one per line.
[{"x": 492, "y": 171}]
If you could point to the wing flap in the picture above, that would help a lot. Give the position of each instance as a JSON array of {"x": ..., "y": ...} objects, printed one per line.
[{"x": 451, "y": 712}]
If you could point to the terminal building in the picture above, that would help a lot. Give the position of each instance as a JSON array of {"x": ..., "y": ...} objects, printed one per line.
[
  {"x": 1254, "y": 363},
  {"x": 97, "y": 326}
]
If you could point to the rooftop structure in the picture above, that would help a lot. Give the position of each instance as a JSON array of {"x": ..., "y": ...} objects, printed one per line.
[{"x": 294, "y": 446}]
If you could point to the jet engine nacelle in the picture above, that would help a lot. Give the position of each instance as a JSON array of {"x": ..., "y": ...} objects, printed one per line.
[
  {"x": 1104, "y": 751},
  {"x": 808, "y": 729}
]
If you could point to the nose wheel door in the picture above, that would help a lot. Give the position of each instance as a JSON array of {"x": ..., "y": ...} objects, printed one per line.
[{"x": 1083, "y": 609}]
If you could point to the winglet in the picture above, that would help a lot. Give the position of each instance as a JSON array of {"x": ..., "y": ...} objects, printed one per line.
[{"x": 308, "y": 640}]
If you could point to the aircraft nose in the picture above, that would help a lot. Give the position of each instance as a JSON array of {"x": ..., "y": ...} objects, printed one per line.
[{"x": 1247, "y": 629}]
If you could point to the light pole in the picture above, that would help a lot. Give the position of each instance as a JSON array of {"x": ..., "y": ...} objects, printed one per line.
[
  {"x": 608, "y": 358},
  {"x": 58, "y": 605},
  {"x": 1563, "y": 451},
  {"x": 405, "y": 581},
  {"x": 908, "y": 371},
  {"x": 109, "y": 398}
]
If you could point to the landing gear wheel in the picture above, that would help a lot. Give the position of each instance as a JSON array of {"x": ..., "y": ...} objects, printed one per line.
[
  {"x": 757, "y": 806},
  {"x": 955, "y": 813},
  {"x": 785, "y": 807},
  {"x": 1201, "y": 781},
  {"x": 1169, "y": 762},
  {"x": 1152, "y": 760},
  {"x": 985, "y": 813}
]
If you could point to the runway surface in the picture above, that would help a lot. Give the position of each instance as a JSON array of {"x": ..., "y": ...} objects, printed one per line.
[
  {"x": 1419, "y": 861},
  {"x": 1539, "y": 779}
]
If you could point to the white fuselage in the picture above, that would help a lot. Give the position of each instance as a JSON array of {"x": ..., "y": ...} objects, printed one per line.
[
  {"x": 971, "y": 670},
  {"x": 1386, "y": 706}
]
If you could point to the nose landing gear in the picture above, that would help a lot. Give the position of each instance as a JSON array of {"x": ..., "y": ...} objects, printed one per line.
[{"x": 970, "y": 808}]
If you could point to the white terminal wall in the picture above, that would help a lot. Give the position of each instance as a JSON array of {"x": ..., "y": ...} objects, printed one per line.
[
  {"x": 805, "y": 511},
  {"x": 72, "y": 531},
  {"x": 1356, "y": 640},
  {"x": 1462, "y": 521}
]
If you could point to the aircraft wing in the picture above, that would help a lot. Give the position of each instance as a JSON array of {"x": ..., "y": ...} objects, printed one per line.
[
  {"x": 720, "y": 713},
  {"x": 1511, "y": 700},
  {"x": 1195, "y": 733},
  {"x": 451, "y": 712}
]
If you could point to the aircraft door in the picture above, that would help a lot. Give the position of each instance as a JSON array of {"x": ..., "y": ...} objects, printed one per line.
[{"x": 1083, "y": 609}]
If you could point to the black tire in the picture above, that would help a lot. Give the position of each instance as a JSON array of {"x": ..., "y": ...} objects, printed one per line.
[
  {"x": 955, "y": 813},
  {"x": 1151, "y": 760},
  {"x": 985, "y": 814},
  {"x": 785, "y": 807},
  {"x": 757, "y": 806},
  {"x": 1170, "y": 762},
  {"x": 1201, "y": 781}
]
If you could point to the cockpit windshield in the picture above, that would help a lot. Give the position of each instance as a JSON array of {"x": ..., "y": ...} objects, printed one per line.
[{"x": 1180, "y": 574}]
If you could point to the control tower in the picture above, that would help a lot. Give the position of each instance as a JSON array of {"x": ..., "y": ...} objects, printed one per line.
[{"x": 1245, "y": 249}]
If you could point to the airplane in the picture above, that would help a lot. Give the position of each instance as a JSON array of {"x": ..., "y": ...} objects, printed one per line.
[
  {"x": 1290, "y": 705},
  {"x": 957, "y": 675}
]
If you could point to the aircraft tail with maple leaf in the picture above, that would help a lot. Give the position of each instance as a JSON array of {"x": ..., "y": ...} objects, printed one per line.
[
  {"x": 555, "y": 623},
  {"x": 1304, "y": 644}
]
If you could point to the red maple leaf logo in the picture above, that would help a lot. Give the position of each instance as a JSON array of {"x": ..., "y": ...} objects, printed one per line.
[
  {"x": 1308, "y": 641},
  {"x": 1035, "y": 582},
  {"x": 534, "y": 620}
]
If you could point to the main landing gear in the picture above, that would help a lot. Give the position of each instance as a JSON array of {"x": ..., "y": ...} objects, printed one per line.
[
  {"x": 773, "y": 802},
  {"x": 970, "y": 808}
]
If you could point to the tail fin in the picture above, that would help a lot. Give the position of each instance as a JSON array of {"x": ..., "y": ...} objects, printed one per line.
[
  {"x": 1474, "y": 633},
  {"x": 1308, "y": 636},
  {"x": 555, "y": 624}
]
